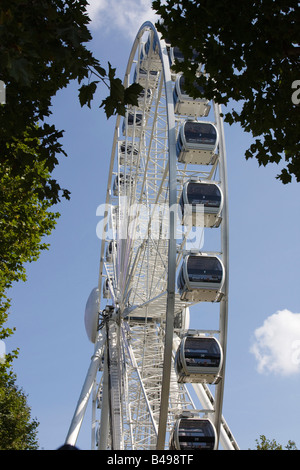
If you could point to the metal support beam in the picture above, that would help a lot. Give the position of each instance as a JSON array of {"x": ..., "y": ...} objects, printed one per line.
[
  {"x": 85, "y": 393},
  {"x": 164, "y": 405}
]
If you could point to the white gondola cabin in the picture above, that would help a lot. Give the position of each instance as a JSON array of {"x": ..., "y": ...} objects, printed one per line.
[
  {"x": 201, "y": 204},
  {"x": 146, "y": 78},
  {"x": 193, "y": 434},
  {"x": 122, "y": 184},
  {"x": 150, "y": 57},
  {"x": 145, "y": 98},
  {"x": 175, "y": 54},
  {"x": 111, "y": 251},
  {"x": 197, "y": 143},
  {"x": 133, "y": 123},
  {"x": 201, "y": 278},
  {"x": 128, "y": 153},
  {"x": 106, "y": 288},
  {"x": 185, "y": 105},
  {"x": 198, "y": 360}
]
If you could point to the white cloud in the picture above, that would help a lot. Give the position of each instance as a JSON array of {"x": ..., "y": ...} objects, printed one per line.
[
  {"x": 276, "y": 345},
  {"x": 123, "y": 16}
]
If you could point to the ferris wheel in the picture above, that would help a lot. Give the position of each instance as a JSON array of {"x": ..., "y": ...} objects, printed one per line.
[{"x": 157, "y": 374}]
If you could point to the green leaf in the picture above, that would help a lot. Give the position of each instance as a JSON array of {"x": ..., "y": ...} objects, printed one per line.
[
  {"x": 131, "y": 94},
  {"x": 19, "y": 71},
  {"x": 100, "y": 70},
  {"x": 111, "y": 72},
  {"x": 86, "y": 93},
  {"x": 109, "y": 107},
  {"x": 117, "y": 90}
]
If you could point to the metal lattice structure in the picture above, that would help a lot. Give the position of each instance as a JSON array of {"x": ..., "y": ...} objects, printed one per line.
[{"x": 136, "y": 317}]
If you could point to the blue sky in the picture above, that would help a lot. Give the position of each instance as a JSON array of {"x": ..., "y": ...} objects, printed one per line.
[{"x": 262, "y": 387}]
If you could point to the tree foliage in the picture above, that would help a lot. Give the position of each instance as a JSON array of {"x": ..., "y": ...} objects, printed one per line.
[
  {"x": 24, "y": 215},
  {"x": 250, "y": 53},
  {"x": 18, "y": 431},
  {"x": 266, "y": 444},
  {"x": 42, "y": 49}
]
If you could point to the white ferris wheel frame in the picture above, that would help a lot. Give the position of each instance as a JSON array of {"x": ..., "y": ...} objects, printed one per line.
[{"x": 209, "y": 403}]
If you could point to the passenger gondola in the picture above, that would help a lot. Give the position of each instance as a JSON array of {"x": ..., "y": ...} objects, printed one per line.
[
  {"x": 185, "y": 105},
  {"x": 198, "y": 360},
  {"x": 122, "y": 184},
  {"x": 193, "y": 434},
  {"x": 128, "y": 153},
  {"x": 201, "y": 204},
  {"x": 99, "y": 399},
  {"x": 197, "y": 143},
  {"x": 146, "y": 78},
  {"x": 150, "y": 56},
  {"x": 201, "y": 278},
  {"x": 106, "y": 288},
  {"x": 175, "y": 55},
  {"x": 133, "y": 123},
  {"x": 144, "y": 98},
  {"x": 111, "y": 251}
]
